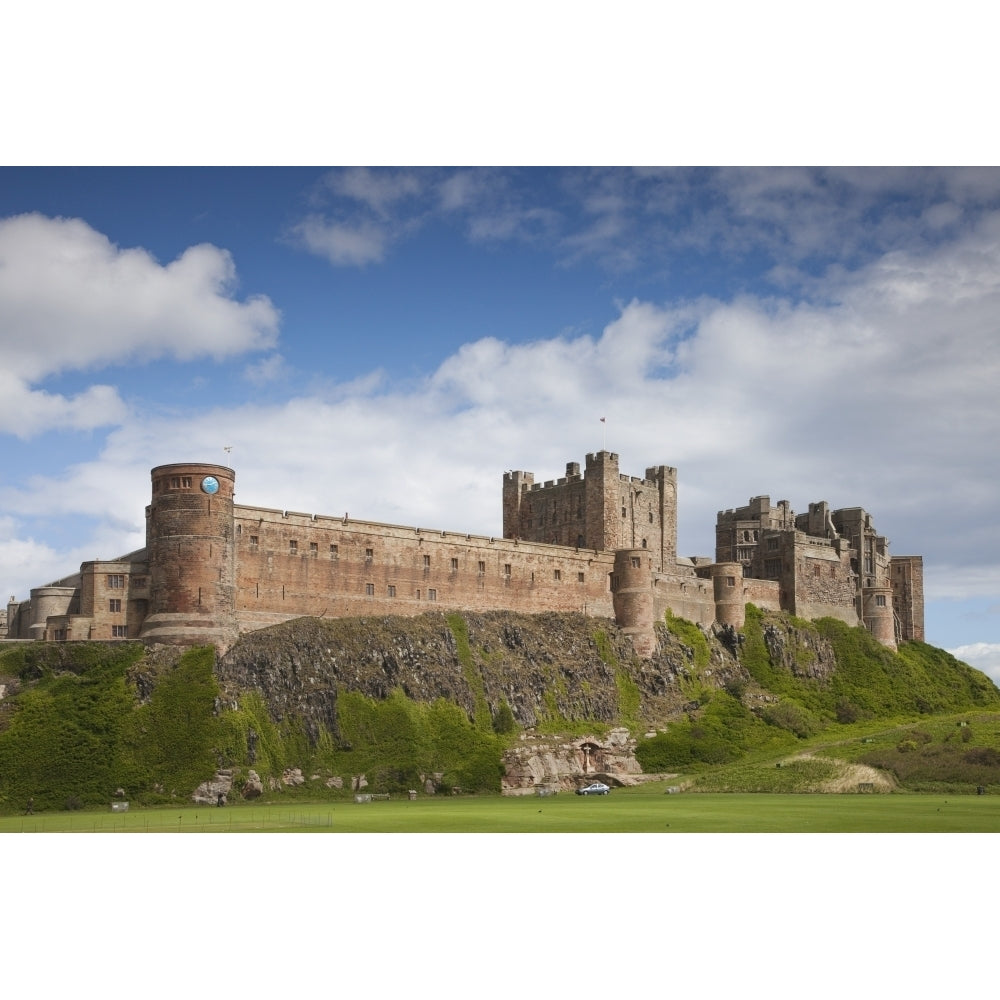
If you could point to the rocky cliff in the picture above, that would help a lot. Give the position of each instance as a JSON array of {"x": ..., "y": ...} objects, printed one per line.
[{"x": 545, "y": 668}]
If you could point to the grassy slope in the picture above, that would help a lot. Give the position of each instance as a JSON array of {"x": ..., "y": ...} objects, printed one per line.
[{"x": 77, "y": 728}]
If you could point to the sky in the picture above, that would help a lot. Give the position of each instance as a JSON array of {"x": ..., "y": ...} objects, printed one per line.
[{"x": 388, "y": 341}]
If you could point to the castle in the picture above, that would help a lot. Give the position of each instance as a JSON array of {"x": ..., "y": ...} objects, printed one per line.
[{"x": 596, "y": 541}]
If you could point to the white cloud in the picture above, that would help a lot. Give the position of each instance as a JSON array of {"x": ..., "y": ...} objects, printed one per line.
[
  {"x": 377, "y": 189},
  {"x": 72, "y": 300},
  {"x": 24, "y": 413},
  {"x": 266, "y": 370},
  {"x": 984, "y": 656},
  {"x": 361, "y": 243}
]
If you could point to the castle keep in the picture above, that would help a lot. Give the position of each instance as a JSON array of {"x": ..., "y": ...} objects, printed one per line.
[{"x": 597, "y": 542}]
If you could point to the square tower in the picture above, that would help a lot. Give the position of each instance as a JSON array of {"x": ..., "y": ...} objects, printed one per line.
[{"x": 599, "y": 509}]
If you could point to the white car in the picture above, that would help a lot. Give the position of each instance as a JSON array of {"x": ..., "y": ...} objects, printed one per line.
[{"x": 595, "y": 789}]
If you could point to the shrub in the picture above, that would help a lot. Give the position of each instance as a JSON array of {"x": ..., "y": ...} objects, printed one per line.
[
  {"x": 792, "y": 717},
  {"x": 503, "y": 719}
]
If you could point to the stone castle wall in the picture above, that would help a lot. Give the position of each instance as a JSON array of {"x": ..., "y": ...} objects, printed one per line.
[
  {"x": 601, "y": 509},
  {"x": 291, "y": 564},
  {"x": 596, "y": 542}
]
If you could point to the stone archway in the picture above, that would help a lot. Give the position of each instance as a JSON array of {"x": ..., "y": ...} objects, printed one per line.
[{"x": 591, "y": 756}]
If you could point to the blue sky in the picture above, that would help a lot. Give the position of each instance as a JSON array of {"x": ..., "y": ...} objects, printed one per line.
[{"x": 389, "y": 341}]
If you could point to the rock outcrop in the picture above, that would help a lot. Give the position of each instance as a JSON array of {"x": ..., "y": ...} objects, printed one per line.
[{"x": 537, "y": 763}]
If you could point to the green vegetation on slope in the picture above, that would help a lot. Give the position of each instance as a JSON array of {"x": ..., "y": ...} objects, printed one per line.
[
  {"x": 78, "y": 733},
  {"x": 436, "y": 702},
  {"x": 692, "y": 637}
]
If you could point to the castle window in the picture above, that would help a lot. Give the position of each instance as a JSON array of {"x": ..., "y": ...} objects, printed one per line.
[
  {"x": 880, "y": 600},
  {"x": 454, "y": 565},
  {"x": 115, "y": 605},
  {"x": 116, "y": 581},
  {"x": 624, "y": 512},
  {"x": 427, "y": 562},
  {"x": 293, "y": 547},
  {"x": 557, "y": 574},
  {"x": 772, "y": 569},
  {"x": 432, "y": 595},
  {"x": 772, "y": 544},
  {"x": 119, "y": 631},
  {"x": 614, "y": 582},
  {"x": 817, "y": 569},
  {"x": 833, "y": 570},
  {"x": 392, "y": 590},
  {"x": 254, "y": 541},
  {"x": 506, "y": 570},
  {"x": 313, "y": 550},
  {"x": 636, "y": 562},
  {"x": 579, "y": 541},
  {"x": 369, "y": 589},
  {"x": 650, "y": 517},
  {"x": 369, "y": 555},
  {"x": 580, "y": 578},
  {"x": 730, "y": 581},
  {"x": 334, "y": 552},
  {"x": 482, "y": 568},
  {"x": 60, "y": 635},
  {"x": 175, "y": 482},
  {"x": 185, "y": 482},
  {"x": 644, "y": 543},
  {"x": 138, "y": 582}
]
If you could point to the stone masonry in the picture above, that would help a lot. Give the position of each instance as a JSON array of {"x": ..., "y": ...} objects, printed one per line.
[{"x": 597, "y": 542}]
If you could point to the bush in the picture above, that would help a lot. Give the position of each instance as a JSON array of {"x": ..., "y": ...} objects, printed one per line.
[
  {"x": 503, "y": 719},
  {"x": 792, "y": 717}
]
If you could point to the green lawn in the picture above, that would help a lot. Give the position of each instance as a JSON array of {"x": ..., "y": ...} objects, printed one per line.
[{"x": 640, "y": 810}]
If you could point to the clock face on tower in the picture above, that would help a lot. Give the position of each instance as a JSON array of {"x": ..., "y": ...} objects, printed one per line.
[{"x": 210, "y": 485}]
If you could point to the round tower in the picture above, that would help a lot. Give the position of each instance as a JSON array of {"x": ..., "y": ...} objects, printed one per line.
[
  {"x": 632, "y": 595},
  {"x": 878, "y": 616},
  {"x": 727, "y": 582},
  {"x": 190, "y": 549}
]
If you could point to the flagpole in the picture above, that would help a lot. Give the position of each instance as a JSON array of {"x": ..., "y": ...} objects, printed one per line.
[{"x": 604, "y": 427}]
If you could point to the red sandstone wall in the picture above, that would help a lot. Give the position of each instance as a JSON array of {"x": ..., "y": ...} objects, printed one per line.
[
  {"x": 763, "y": 593},
  {"x": 907, "y": 575},
  {"x": 599, "y": 509},
  {"x": 340, "y": 568},
  {"x": 686, "y": 595},
  {"x": 824, "y": 586}
]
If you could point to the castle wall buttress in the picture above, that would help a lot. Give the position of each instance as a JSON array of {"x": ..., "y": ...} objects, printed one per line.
[{"x": 907, "y": 575}]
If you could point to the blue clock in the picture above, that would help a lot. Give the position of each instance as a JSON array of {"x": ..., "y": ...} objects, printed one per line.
[{"x": 210, "y": 485}]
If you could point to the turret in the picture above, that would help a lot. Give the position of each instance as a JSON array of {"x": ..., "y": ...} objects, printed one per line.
[
  {"x": 190, "y": 548},
  {"x": 632, "y": 594},
  {"x": 877, "y": 614},
  {"x": 727, "y": 581}
]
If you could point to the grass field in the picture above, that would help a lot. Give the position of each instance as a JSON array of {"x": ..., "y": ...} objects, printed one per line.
[{"x": 645, "y": 809}]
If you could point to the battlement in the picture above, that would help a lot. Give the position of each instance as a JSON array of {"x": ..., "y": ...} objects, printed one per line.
[{"x": 597, "y": 541}]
